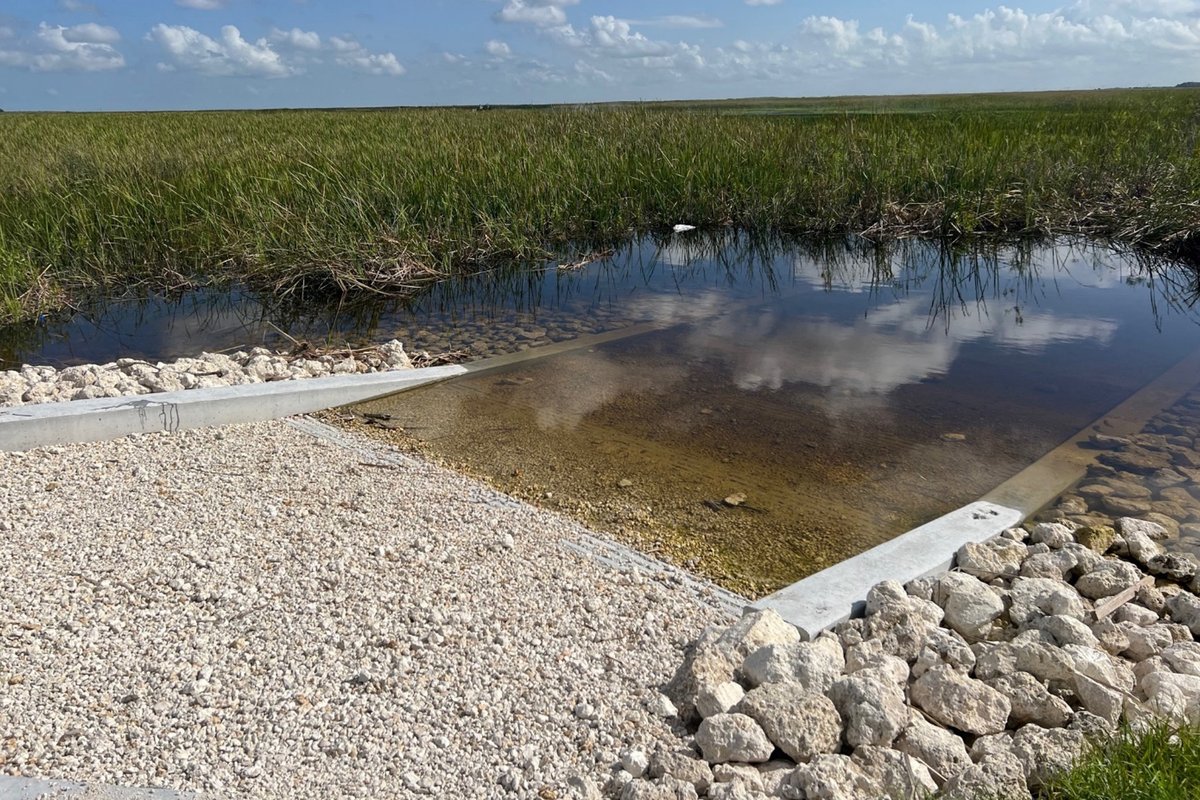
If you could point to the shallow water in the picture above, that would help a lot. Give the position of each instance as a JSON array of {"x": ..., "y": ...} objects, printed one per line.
[
  {"x": 848, "y": 393},
  {"x": 847, "y": 400}
]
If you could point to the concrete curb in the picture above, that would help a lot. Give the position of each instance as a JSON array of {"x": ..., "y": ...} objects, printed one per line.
[
  {"x": 30, "y": 789},
  {"x": 834, "y": 595},
  {"x": 822, "y": 600},
  {"x": 44, "y": 424}
]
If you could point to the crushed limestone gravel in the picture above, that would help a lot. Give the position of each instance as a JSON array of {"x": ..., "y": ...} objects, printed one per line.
[{"x": 255, "y": 612}]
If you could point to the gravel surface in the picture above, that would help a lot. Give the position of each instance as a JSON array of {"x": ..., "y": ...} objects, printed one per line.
[{"x": 252, "y": 611}]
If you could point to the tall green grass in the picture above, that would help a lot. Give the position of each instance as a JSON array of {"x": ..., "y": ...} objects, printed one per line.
[
  {"x": 386, "y": 199},
  {"x": 1161, "y": 763}
]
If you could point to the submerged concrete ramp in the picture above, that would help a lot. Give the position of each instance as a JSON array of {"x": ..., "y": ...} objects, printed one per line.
[
  {"x": 820, "y": 601},
  {"x": 44, "y": 424}
]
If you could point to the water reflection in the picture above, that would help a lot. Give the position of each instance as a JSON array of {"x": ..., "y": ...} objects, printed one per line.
[{"x": 994, "y": 292}]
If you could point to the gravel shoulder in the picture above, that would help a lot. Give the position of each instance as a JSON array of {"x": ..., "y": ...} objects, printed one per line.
[{"x": 256, "y": 612}]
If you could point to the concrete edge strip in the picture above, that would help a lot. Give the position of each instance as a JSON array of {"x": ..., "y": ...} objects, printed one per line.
[
  {"x": 30, "y": 789},
  {"x": 44, "y": 424},
  {"x": 839, "y": 592},
  {"x": 833, "y": 595},
  {"x": 586, "y": 544}
]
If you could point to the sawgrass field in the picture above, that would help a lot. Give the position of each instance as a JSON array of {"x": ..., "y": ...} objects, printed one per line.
[{"x": 388, "y": 199}]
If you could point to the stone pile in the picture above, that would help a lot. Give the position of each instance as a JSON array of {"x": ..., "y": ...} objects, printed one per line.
[
  {"x": 131, "y": 376},
  {"x": 982, "y": 682}
]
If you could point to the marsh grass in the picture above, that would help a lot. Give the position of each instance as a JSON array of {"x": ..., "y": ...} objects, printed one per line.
[
  {"x": 389, "y": 200},
  {"x": 1162, "y": 763}
]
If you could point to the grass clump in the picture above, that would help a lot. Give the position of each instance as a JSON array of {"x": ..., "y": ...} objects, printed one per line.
[
  {"x": 389, "y": 199},
  {"x": 1160, "y": 763}
]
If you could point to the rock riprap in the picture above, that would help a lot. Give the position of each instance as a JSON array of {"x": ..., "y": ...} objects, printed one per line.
[
  {"x": 993, "y": 678},
  {"x": 130, "y": 376}
]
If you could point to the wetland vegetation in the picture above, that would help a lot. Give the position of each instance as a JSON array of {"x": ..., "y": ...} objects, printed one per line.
[{"x": 390, "y": 199}]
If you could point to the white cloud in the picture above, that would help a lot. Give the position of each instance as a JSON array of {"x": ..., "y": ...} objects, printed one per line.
[
  {"x": 679, "y": 21},
  {"x": 497, "y": 49},
  {"x": 77, "y": 5},
  {"x": 299, "y": 39},
  {"x": 202, "y": 5},
  {"x": 54, "y": 48},
  {"x": 92, "y": 33},
  {"x": 763, "y": 2},
  {"x": 189, "y": 49},
  {"x": 542, "y": 13},
  {"x": 1086, "y": 29},
  {"x": 352, "y": 55}
]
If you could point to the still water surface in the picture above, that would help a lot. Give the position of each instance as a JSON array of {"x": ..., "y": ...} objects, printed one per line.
[{"x": 848, "y": 394}]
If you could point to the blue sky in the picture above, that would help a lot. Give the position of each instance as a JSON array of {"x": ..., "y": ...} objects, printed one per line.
[{"x": 154, "y": 54}]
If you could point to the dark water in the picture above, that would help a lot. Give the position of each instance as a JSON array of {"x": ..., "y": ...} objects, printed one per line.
[{"x": 848, "y": 393}]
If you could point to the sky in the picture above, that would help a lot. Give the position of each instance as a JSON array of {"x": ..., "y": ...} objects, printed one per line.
[{"x": 186, "y": 54}]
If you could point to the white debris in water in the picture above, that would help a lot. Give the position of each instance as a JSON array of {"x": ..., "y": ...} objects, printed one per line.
[{"x": 681, "y": 228}]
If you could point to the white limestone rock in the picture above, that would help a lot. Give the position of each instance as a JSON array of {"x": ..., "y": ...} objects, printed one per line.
[
  {"x": 733, "y": 737},
  {"x": 704, "y": 664},
  {"x": 757, "y": 629},
  {"x": 774, "y": 776},
  {"x": 1184, "y": 608},
  {"x": 1053, "y": 534},
  {"x": 1031, "y": 701},
  {"x": 1152, "y": 530},
  {"x": 1045, "y": 754},
  {"x": 944, "y": 647},
  {"x": 1066, "y": 630},
  {"x": 942, "y": 751},
  {"x": 1101, "y": 667},
  {"x": 1055, "y": 564},
  {"x": 1145, "y": 641},
  {"x": 1184, "y": 658},
  {"x": 1044, "y": 661},
  {"x": 746, "y": 775},
  {"x": 1135, "y": 614},
  {"x": 833, "y": 777},
  {"x": 871, "y": 704},
  {"x": 683, "y": 766},
  {"x": 719, "y": 699},
  {"x": 635, "y": 762},
  {"x": 394, "y": 355},
  {"x": 960, "y": 702},
  {"x": 901, "y": 622},
  {"x": 996, "y": 558},
  {"x": 1043, "y": 597},
  {"x": 1110, "y": 636},
  {"x": 1142, "y": 548},
  {"x": 815, "y": 665},
  {"x": 998, "y": 775},
  {"x": 899, "y": 775},
  {"x": 799, "y": 722},
  {"x": 1109, "y": 577},
  {"x": 1173, "y": 696},
  {"x": 1106, "y": 703},
  {"x": 971, "y": 606}
]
